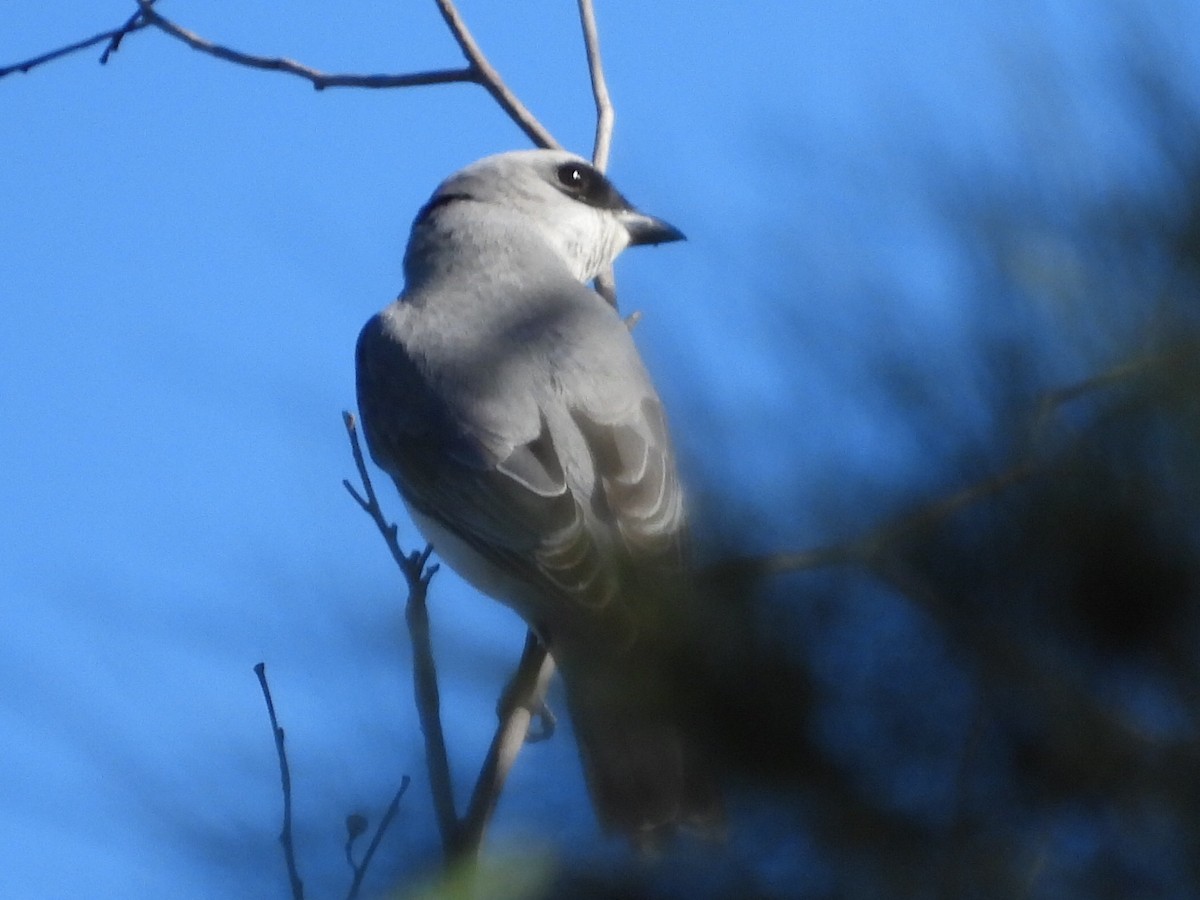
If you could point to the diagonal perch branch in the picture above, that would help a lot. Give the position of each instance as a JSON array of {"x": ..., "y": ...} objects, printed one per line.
[
  {"x": 524, "y": 695},
  {"x": 486, "y": 75}
]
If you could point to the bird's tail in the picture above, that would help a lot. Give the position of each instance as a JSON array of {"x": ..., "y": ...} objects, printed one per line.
[{"x": 647, "y": 773}]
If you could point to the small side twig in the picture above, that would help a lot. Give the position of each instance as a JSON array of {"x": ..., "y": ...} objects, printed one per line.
[
  {"x": 285, "y": 776},
  {"x": 113, "y": 37},
  {"x": 360, "y": 869},
  {"x": 135, "y": 21},
  {"x": 417, "y": 573}
]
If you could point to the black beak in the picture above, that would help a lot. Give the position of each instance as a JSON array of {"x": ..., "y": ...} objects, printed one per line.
[{"x": 644, "y": 229}]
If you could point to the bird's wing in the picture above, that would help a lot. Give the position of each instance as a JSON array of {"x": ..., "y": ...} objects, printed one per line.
[{"x": 514, "y": 505}]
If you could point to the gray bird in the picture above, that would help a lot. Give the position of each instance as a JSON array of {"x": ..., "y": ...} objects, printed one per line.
[{"x": 508, "y": 402}]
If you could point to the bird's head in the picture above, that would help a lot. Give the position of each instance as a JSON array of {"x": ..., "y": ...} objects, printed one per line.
[{"x": 558, "y": 195}]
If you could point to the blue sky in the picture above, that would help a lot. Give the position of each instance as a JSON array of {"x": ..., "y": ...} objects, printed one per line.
[{"x": 187, "y": 253}]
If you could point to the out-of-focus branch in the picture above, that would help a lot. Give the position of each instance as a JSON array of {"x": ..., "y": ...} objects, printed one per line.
[
  {"x": 417, "y": 574},
  {"x": 285, "y": 776},
  {"x": 486, "y": 75},
  {"x": 1053, "y": 401},
  {"x": 872, "y": 547}
]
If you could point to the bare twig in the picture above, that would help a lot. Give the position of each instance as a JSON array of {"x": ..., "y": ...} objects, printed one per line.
[
  {"x": 113, "y": 37},
  {"x": 417, "y": 574},
  {"x": 360, "y": 869},
  {"x": 285, "y": 776},
  {"x": 319, "y": 80},
  {"x": 524, "y": 700},
  {"x": 486, "y": 75}
]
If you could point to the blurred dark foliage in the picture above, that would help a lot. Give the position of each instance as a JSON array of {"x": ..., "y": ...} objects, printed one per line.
[{"x": 1014, "y": 704}]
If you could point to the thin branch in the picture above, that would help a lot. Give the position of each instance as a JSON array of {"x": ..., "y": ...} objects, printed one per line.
[
  {"x": 483, "y": 73},
  {"x": 319, "y": 80},
  {"x": 113, "y": 37},
  {"x": 478, "y": 71},
  {"x": 360, "y": 870},
  {"x": 524, "y": 700},
  {"x": 417, "y": 573},
  {"x": 356, "y": 826},
  {"x": 605, "y": 114},
  {"x": 866, "y": 549},
  {"x": 285, "y": 776}
]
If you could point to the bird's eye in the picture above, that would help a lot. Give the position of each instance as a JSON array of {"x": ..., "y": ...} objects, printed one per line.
[
  {"x": 577, "y": 178},
  {"x": 581, "y": 181}
]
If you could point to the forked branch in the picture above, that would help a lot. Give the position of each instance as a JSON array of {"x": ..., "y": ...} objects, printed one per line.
[{"x": 605, "y": 114}]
